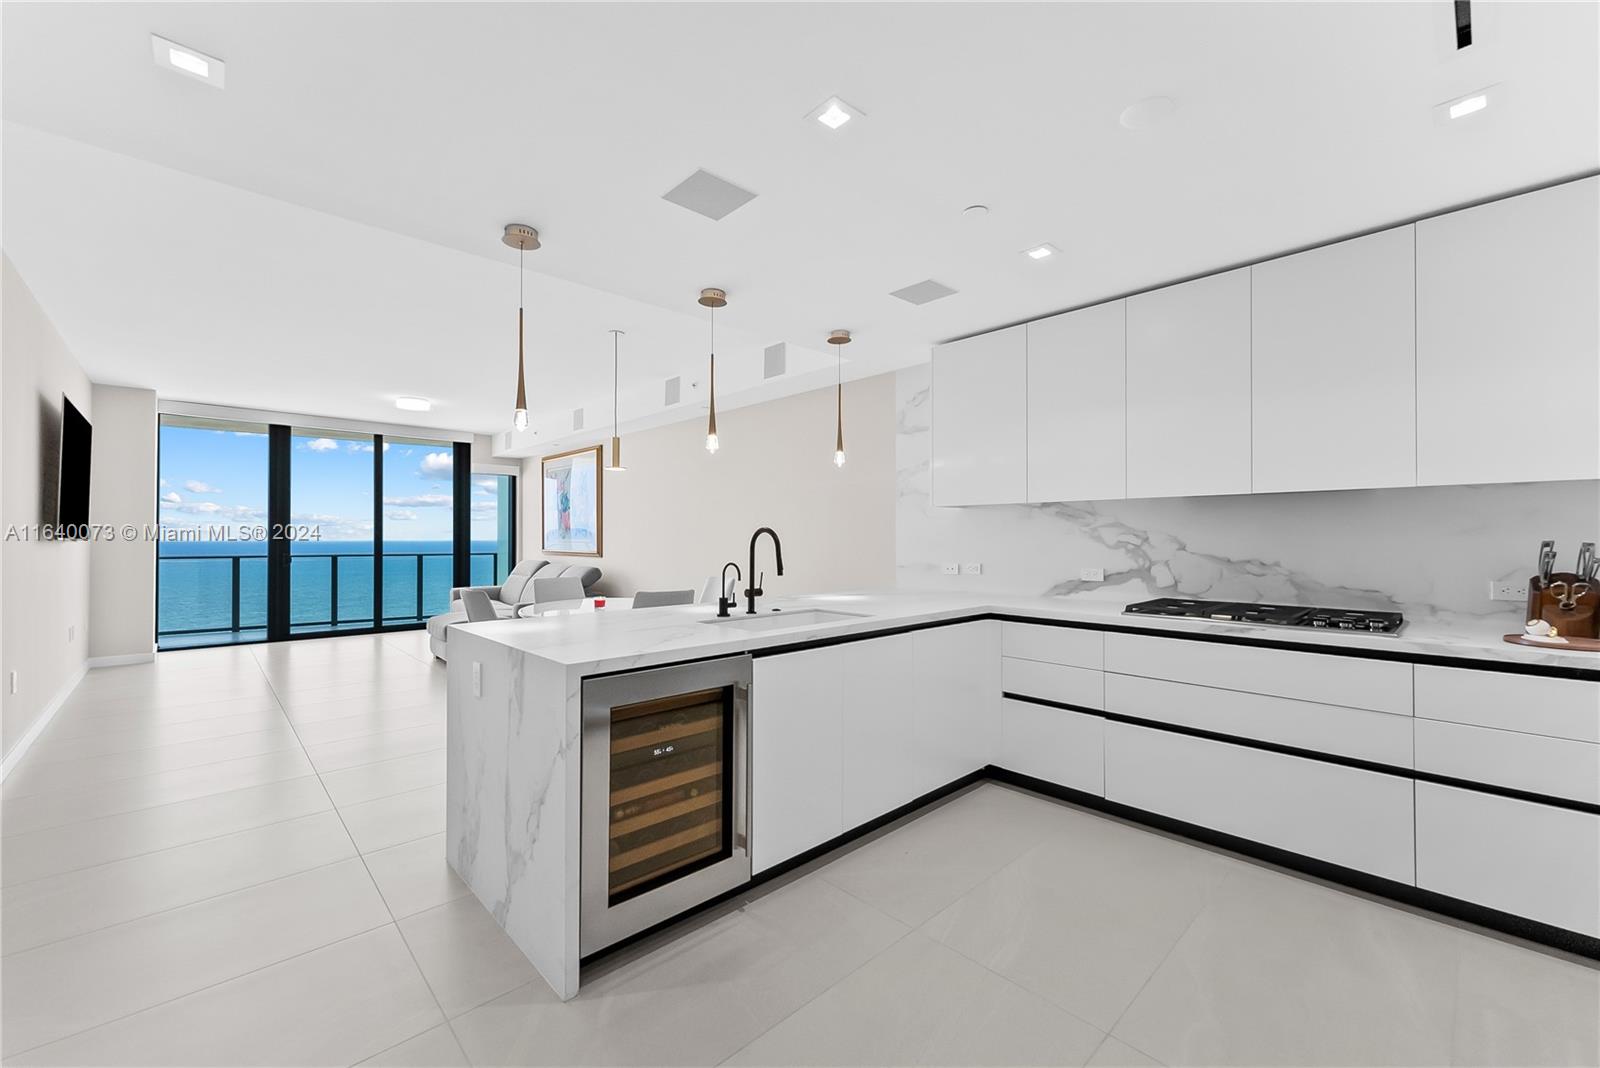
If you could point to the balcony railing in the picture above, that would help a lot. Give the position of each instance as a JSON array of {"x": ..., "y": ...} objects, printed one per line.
[{"x": 358, "y": 570}]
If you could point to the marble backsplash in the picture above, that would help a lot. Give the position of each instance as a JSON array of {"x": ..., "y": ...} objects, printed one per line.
[{"x": 1425, "y": 551}]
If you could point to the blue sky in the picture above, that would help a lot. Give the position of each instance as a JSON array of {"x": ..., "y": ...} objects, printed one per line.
[{"x": 215, "y": 477}]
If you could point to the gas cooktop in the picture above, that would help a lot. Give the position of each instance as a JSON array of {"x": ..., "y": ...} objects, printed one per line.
[{"x": 1274, "y": 615}]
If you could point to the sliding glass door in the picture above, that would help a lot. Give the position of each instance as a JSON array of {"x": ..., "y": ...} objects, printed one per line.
[
  {"x": 272, "y": 532},
  {"x": 494, "y": 527}
]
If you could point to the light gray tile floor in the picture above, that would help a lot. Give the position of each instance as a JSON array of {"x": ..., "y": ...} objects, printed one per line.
[{"x": 257, "y": 876}]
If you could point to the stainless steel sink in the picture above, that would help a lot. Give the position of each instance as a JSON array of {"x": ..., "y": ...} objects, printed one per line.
[{"x": 778, "y": 620}]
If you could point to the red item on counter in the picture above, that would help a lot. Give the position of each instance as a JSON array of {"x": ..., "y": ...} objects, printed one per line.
[{"x": 599, "y": 602}]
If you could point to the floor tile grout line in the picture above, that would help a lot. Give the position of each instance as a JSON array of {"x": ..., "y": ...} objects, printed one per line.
[
  {"x": 164, "y": 745},
  {"x": 76, "y": 788},
  {"x": 182, "y": 905},
  {"x": 11, "y": 1058},
  {"x": 158, "y": 745},
  {"x": 376, "y": 889}
]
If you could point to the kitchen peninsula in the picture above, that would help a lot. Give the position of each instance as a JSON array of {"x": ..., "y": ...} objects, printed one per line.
[{"x": 1437, "y": 765}]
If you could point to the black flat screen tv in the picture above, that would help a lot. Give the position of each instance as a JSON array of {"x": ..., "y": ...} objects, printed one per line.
[{"x": 72, "y": 489}]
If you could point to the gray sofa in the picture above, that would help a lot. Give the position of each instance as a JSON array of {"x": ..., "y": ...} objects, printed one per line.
[{"x": 515, "y": 591}]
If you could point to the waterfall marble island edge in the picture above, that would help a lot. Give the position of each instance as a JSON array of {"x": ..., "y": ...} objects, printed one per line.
[{"x": 515, "y": 721}]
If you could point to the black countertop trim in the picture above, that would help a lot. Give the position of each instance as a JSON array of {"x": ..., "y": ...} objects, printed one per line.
[{"x": 1316, "y": 754}]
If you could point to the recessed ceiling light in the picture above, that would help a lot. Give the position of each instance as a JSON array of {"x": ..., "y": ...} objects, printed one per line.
[
  {"x": 170, "y": 55},
  {"x": 1462, "y": 106},
  {"x": 413, "y": 404},
  {"x": 1041, "y": 252},
  {"x": 835, "y": 113},
  {"x": 1467, "y": 106}
]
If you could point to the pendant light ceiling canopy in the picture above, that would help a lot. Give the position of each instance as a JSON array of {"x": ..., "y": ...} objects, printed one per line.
[
  {"x": 839, "y": 339},
  {"x": 713, "y": 299},
  {"x": 523, "y": 238}
]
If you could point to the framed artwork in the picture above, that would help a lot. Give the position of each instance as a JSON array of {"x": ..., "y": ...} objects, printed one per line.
[{"x": 571, "y": 514}]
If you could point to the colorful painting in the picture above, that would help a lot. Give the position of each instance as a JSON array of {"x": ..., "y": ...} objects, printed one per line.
[{"x": 571, "y": 515}]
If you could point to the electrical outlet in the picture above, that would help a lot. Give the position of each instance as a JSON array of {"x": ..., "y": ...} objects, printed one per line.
[
  {"x": 477, "y": 679},
  {"x": 972, "y": 569},
  {"x": 1508, "y": 589},
  {"x": 13, "y": 682},
  {"x": 1091, "y": 574},
  {"x": 950, "y": 569}
]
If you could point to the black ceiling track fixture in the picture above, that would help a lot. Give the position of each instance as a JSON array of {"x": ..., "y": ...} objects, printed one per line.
[{"x": 1463, "y": 23}]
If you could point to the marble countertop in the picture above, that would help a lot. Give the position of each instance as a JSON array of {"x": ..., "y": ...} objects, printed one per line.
[{"x": 591, "y": 642}]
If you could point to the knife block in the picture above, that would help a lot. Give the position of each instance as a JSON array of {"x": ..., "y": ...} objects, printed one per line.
[{"x": 1580, "y": 621}]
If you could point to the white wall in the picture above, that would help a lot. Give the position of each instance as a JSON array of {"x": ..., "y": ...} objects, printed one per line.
[
  {"x": 678, "y": 513},
  {"x": 122, "y": 491},
  {"x": 1421, "y": 550},
  {"x": 45, "y": 584}
]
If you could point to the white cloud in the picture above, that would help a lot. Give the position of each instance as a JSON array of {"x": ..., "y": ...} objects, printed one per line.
[
  {"x": 421, "y": 500},
  {"x": 322, "y": 444},
  {"x": 171, "y": 497},
  {"x": 437, "y": 464},
  {"x": 401, "y": 515},
  {"x": 212, "y": 509},
  {"x": 194, "y": 485},
  {"x": 486, "y": 483},
  {"x": 363, "y": 446}
]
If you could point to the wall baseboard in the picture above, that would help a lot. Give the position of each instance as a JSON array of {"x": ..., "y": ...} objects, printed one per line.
[
  {"x": 121, "y": 660},
  {"x": 18, "y": 751}
]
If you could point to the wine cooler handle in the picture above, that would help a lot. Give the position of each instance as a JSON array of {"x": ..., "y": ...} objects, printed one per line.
[{"x": 742, "y": 760}]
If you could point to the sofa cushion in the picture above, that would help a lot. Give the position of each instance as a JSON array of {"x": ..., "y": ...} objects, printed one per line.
[
  {"x": 511, "y": 590},
  {"x": 588, "y": 574}
]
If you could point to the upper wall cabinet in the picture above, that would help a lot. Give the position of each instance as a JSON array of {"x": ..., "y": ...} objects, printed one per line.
[
  {"x": 1077, "y": 419},
  {"x": 1189, "y": 388},
  {"x": 980, "y": 431},
  {"x": 1333, "y": 392},
  {"x": 1508, "y": 339}
]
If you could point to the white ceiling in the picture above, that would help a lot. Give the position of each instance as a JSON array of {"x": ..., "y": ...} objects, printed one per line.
[{"x": 163, "y": 223}]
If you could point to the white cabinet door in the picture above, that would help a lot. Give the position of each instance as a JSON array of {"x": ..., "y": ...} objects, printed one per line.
[
  {"x": 980, "y": 413},
  {"x": 796, "y": 751},
  {"x": 880, "y": 726},
  {"x": 952, "y": 724},
  {"x": 1077, "y": 415},
  {"x": 1519, "y": 857},
  {"x": 1508, "y": 328},
  {"x": 1333, "y": 336},
  {"x": 1053, "y": 744},
  {"x": 1359, "y": 819},
  {"x": 1189, "y": 388}
]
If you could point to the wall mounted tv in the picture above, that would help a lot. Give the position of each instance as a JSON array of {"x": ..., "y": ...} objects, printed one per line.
[{"x": 72, "y": 491}]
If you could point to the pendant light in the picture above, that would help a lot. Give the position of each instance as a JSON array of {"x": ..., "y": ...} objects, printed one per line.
[
  {"x": 839, "y": 339},
  {"x": 713, "y": 299},
  {"x": 616, "y": 442},
  {"x": 523, "y": 238}
]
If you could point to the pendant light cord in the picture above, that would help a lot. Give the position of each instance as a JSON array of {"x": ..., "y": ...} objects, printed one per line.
[{"x": 614, "y": 365}]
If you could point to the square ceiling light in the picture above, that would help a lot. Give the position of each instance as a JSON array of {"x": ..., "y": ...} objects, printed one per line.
[
  {"x": 181, "y": 59},
  {"x": 923, "y": 292},
  {"x": 1468, "y": 104},
  {"x": 1041, "y": 253},
  {"x": 705, "y": 194},
  {"x": 835, "y": 114}
]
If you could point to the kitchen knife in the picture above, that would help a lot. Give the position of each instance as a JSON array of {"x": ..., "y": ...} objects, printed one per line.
[
  {"x": 1585, "y": 562},
  {"x": 1547, "y": 561}
]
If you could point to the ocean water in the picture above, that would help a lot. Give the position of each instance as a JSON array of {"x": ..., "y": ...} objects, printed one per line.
[{"x": 195, "y": 582}]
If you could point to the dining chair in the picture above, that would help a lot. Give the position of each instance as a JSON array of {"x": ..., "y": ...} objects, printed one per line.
[
  {"x": 564, "y": 588},
  {"x": 658, "y": 598},
  {"x": 479, "y": 606}
]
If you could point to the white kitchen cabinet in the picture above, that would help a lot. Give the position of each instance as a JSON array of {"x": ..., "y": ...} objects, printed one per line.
[
  {"x": 980, "y": 413},
  {"x": 1348, "y": 816},
  {"x": 953, "y": 726},
  {"x": 796, "y": 754},
  {"x": 1077, "y": 415},
  {"x": 1082, "y": 687},
  {"x": 1529, "y": 704},
  {"x": 1054, "y": 744},
  {"x": 1508, "y": 332},
  {"x": 880, "y": 722},
  {"x": 1189, "y": 388},
  {"x": 1333, "y": 380},
  {"x": 1555, "y": 767},
  {"x": 1520, "y": 857},
  {"x": 1074, "y": 646}
]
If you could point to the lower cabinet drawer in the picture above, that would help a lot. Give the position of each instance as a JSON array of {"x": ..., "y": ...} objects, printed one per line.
[
  {"x": 1054, "y": 744},
  {"x": 1529, "y": 704},
  {"x": 1520, "y": 857},
  {"x": 1053, "y": 682},
  {"x": 1346, "y": 816},
  {"x": 1055, "y": 645},
  {"x": 1555, "y": 767},
  {"x": 1381, "y": 737}
]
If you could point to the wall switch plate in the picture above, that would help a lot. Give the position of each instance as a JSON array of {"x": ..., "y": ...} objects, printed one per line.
[
  {"x": 13, "y": 682},
  {"x": 477, "y": 679},
  {"x": 1091, "y": 574},
  {"x": 72, "y": 633},
  {"x": 1508, "y": 589},
  {"x": 950, "y": 569},
  {"x": 972, "y": 569}
]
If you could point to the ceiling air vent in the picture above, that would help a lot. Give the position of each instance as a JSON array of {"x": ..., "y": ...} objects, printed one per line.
[
  {"x": 577, "y": 418},
  {"x": 705, "y": 194},
  {"x": 674, "y": 385},
  {"x": 923, "y": 292},
  {"x": 776, "y": 360}
]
